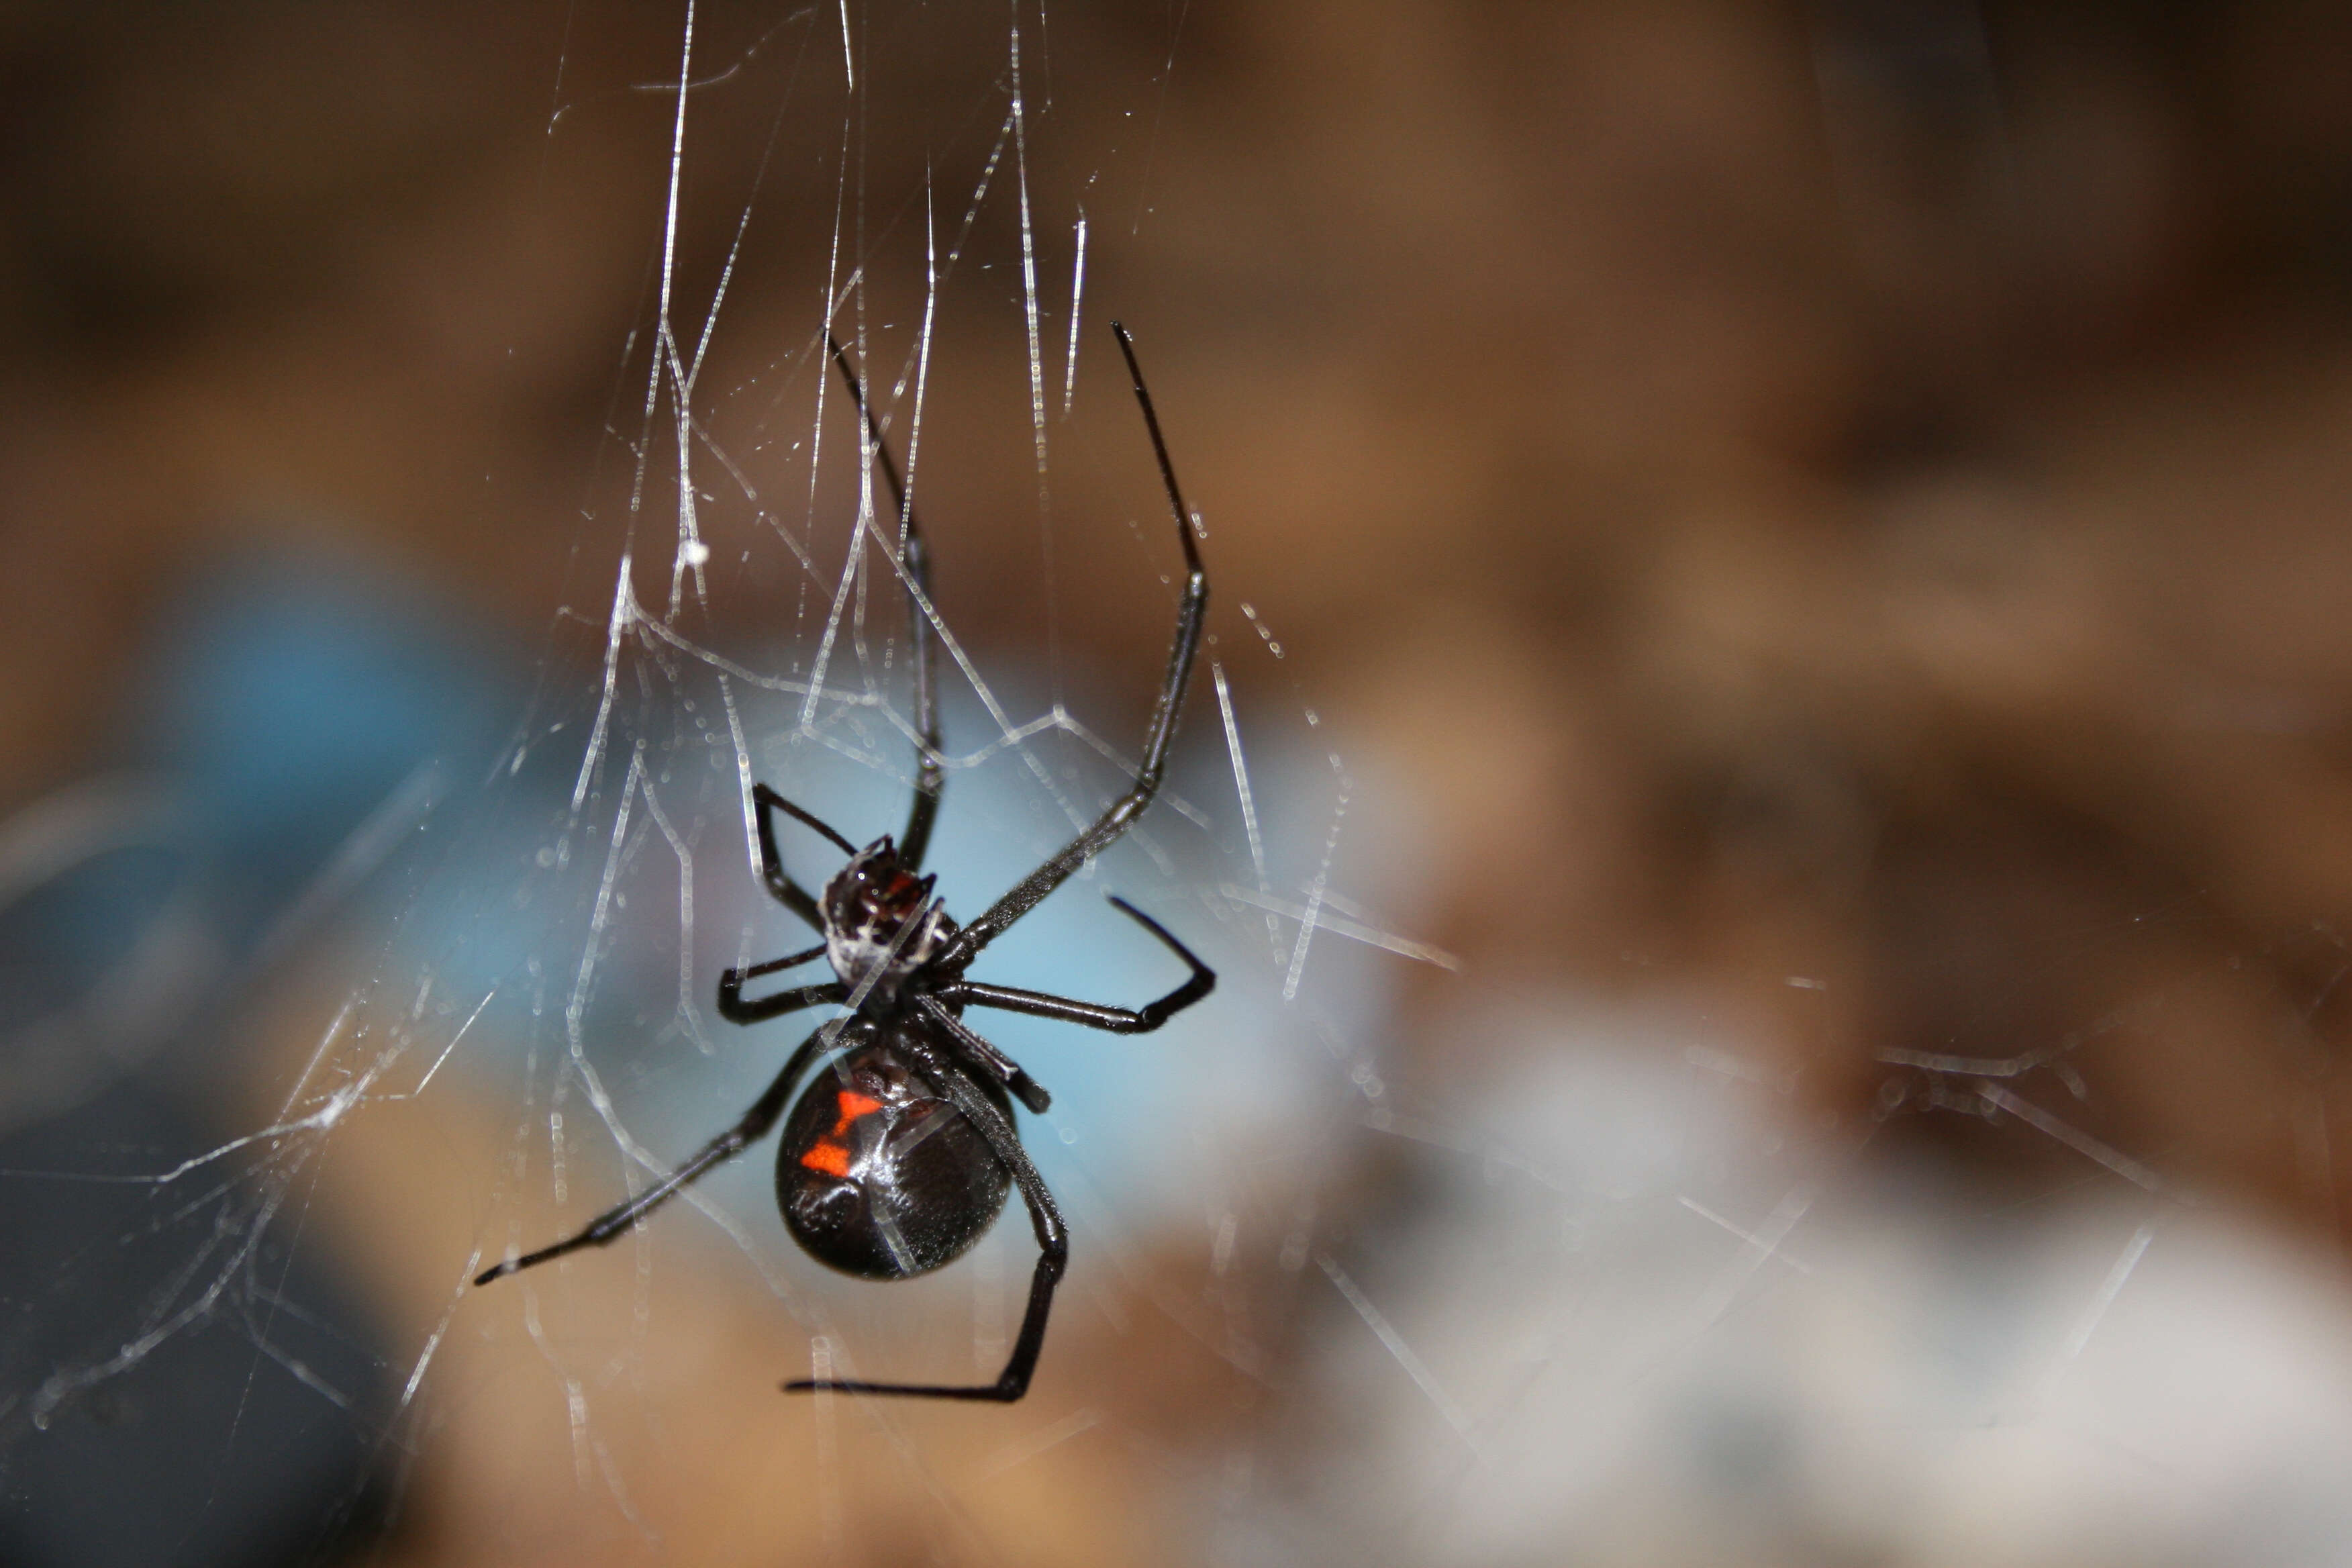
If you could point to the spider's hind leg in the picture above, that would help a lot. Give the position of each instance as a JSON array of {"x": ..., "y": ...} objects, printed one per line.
[
  {"x": 1053, "y": 1250},
  {"x": 617, "y": 1221},
  {"x": 999, "y": 1066}
]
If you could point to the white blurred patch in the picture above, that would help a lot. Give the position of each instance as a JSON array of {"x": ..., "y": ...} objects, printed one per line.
[{"x": 1647, "y": 1318}]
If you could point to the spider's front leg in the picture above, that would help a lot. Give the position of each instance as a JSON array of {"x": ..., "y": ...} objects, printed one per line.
[
  {"x": 915, "y": 567},
  {"x": 1192, "y": 610},
  {"x": 779, "y": 882}
]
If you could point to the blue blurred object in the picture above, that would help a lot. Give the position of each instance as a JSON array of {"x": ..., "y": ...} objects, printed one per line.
[
  {"x": 178, "y": 1383},
  {"x": 291, "y": 695}
]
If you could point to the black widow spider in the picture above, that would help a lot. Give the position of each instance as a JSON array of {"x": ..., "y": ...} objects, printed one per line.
[{"x": 903, "y": 1159}]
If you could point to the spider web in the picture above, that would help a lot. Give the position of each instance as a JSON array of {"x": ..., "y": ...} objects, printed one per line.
[
  {"x": 1460, "y": 1319},
  {"x": 537, "y": 928}
]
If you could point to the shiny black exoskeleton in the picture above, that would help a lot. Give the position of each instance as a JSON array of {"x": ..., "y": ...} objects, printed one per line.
[
  {"x": 878, "y": 1172},
  {"x": 901, "y": 1151}
]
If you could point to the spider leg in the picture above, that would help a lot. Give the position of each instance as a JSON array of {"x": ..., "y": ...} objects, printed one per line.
[
  {"x": 1028, "y": 893},
  {"x": 779, "y": 884},
  {"x": 1093, "y": 1014},
  {"x": 1000, "y": 1067},
  {"x": 915, "y": 563},
  {"x": 1053, "y": 1248},
  {"x": 726, "y": 1146},
  {"x": 735, "y": 1010}
]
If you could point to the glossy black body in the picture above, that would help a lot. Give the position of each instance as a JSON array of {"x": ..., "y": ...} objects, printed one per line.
[
  {"x": 900, "y": 1152},
  {"x": 877, "y": 1173}
]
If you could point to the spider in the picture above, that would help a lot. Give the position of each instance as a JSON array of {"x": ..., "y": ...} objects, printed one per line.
[{"x": 899, "y": 1160}]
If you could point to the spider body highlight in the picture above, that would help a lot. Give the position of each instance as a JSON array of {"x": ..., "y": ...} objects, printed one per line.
[
  {"x": 902, "y": 1150},
  {"x": 869, "y": 908},
  {"x": 877, "y": 1173}
]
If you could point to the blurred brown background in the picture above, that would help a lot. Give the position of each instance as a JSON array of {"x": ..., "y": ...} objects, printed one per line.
[{"x": 1844, "y": 491}]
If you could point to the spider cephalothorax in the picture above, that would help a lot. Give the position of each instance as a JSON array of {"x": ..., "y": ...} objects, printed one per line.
[
  {"x": 902, "y": 1151},
  {"x": 868, "y": 907}
]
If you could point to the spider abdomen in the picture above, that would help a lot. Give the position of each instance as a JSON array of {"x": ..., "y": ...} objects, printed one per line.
[{"x": 879, "y": 1174}]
